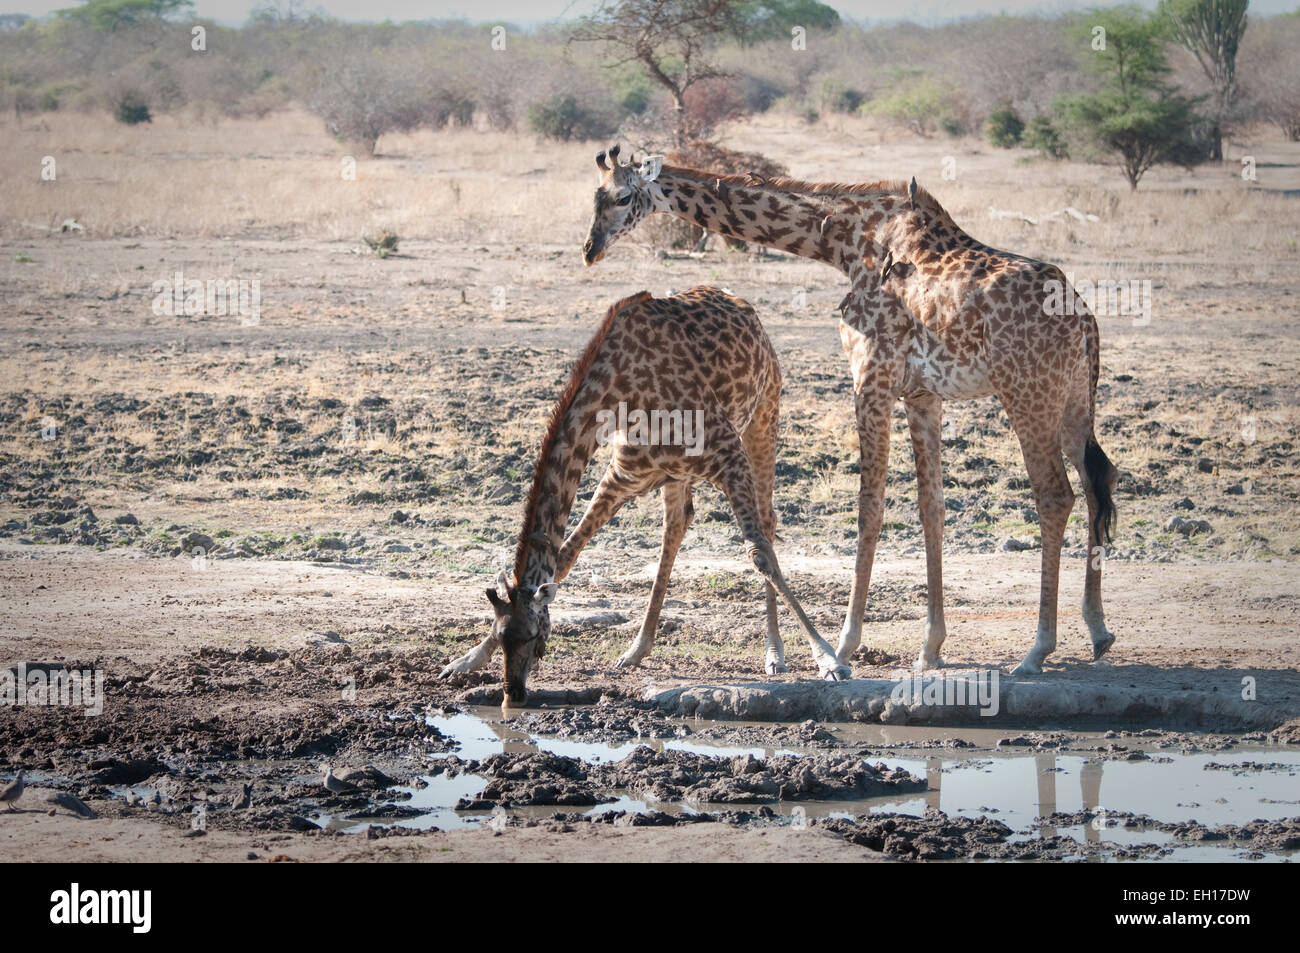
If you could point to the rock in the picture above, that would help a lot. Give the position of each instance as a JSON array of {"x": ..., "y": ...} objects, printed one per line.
[
  {"x": 1185, "y": 504},
  {"x": 331, "y": 542},
  {"x": 1177, "y": 524},
  {"x": 501, "y": 491},
  {"x": 1236, "y": 489},
  {"x": 366, "y": 776},
  {"x": 132, "y": 771},
  {"x": 193, "y": 541},
  {"x": 1017, "y": 544},
  {"x": 1205, "y": 465}
]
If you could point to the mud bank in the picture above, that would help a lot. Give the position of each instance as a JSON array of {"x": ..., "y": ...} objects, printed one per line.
[{"x": 1100, "y": 697}]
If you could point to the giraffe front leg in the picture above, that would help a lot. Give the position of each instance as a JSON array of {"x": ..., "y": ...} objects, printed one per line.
[
  {"x": 925, "y": 422},
  {"x": 678, "y": 513},
  {"x": 473, "y": 660},
  {"x": 875, "y": 369},
  {"x": 615, "y": 488}
]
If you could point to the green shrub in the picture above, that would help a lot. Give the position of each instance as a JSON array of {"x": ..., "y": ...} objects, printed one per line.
[
  {"x": 132, "y": 109},
  {"x": 1004, "y": 127},
  {"x": 839, "y": 98},
  {"x": 921, "y": 104},
  {"x": 1040, "y": 134},
  {"x": 383, "y": 244},
  {"x": 452, "y": 107},
  {"x": 563, "y": 118},
  {"x": 632, "y": 93}
]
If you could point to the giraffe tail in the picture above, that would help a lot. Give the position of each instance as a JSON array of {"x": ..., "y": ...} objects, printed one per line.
[{"x": 1102, "y": 475}]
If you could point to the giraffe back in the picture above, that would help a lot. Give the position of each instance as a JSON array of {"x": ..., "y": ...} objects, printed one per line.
[{"x": 699, "y": 345}]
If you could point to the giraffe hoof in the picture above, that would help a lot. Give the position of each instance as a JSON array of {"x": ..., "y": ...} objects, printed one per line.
[
  {"x": 1100, "y": 648},
  {"x": 836, "y": 672},
  {"x": 628, "y": 661},
  {"x": 1028, "y": 667},
  {"x": 923, "y": 664},
  {"x": 775, "y": 667}
]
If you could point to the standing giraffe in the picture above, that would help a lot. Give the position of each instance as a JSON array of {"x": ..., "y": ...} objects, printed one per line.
[
  {"x": 698, "y": 365},
  {"x": 982, "y": 322}
]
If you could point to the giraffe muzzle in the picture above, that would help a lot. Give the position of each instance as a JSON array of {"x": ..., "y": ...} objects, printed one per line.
[{"x": 591, "y": 253}]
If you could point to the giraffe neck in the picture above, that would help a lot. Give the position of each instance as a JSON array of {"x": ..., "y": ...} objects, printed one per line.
[
  {"x": 565, "y": 455},
  {"x": 827, "y": 222},
  {"x": 800, "y": 224}
]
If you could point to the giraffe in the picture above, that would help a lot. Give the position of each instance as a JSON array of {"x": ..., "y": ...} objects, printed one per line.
[
  {"x": 702, "y": 355},
  {"x": 983, "y": 322}
]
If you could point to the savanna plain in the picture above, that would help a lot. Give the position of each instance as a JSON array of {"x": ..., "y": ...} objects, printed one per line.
[{"x": 271, "y": 534}]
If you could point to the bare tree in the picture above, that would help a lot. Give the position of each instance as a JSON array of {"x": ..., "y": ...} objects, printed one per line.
[
  {"x": 1211, "y": 31},
  {"x": 1270, "y": 74},
  {"x": 674, "y": 40}
]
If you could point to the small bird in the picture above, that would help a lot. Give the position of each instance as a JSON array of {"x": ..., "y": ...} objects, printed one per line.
[
  {"x": 132, "y": 799},
  {"x": 242, "y": 799},
  {"x": 12, "y": 791},
  {"x": 153, "y": 803},
  {"x": 336, "y": 785}
]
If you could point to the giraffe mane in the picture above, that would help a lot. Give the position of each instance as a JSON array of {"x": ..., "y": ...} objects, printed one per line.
[
  {"x": 893, "y": 187},
  {"x": 576, "y": 377}
]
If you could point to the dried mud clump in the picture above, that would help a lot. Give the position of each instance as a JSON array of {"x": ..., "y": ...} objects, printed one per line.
[
  {"x": 1257, "y": 835},
  {"x": 934, "y": 836},
  {"x": 682, "y": 775},
  {"x": 516, "y": 780},
  {"x": 604, "y": 723},
  {"x": 519, "y": 780}
]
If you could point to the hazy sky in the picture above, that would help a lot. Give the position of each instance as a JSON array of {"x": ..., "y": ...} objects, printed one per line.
[{"x": 922, "y": 11}]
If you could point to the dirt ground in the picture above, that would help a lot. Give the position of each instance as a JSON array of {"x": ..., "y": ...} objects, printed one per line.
[{"x": 241, "y": 522}]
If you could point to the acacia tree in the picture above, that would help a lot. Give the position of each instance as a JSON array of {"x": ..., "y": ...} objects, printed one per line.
[
  {"x": 673, "y": 40},
  {"x": 126, "y": 14},
  {"x": 1211, "y": 31},
  {"x": 1136, "y": 114}
]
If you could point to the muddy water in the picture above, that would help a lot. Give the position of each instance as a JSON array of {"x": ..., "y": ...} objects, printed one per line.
[{"x": 1087, "y": 790}]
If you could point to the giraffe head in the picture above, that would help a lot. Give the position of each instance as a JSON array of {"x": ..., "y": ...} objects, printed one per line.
[
  {"x": 522, "y": 624},
  {"x": 624, "y": 197}
]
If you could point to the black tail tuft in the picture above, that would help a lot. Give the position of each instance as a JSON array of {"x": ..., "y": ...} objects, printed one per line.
[{"x": 1101, "y": 474}]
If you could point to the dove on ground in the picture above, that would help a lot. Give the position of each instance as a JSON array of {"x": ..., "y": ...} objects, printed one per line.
[
  {"x": 336, "y": 785},
  {"x": 242, "y": 798},
  {"x": 12, "y": 791},
  {"x": 70, "y": 802}
]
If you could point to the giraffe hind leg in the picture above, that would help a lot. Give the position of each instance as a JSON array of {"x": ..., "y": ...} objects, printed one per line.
[
  {"x": 678, "y": 513},
  {"x": 1040, "y": 443},
  {"x": 1097, "y": 476},
  {"x": 760, "y": 439},
  {"x": 730, "y": 470}
]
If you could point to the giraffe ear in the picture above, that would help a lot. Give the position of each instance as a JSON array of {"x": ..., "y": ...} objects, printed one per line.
[
  {"x": 503, "y": 586},
  {"x": 650, "y": 167},
  {"x": 545, "y": 593}
]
